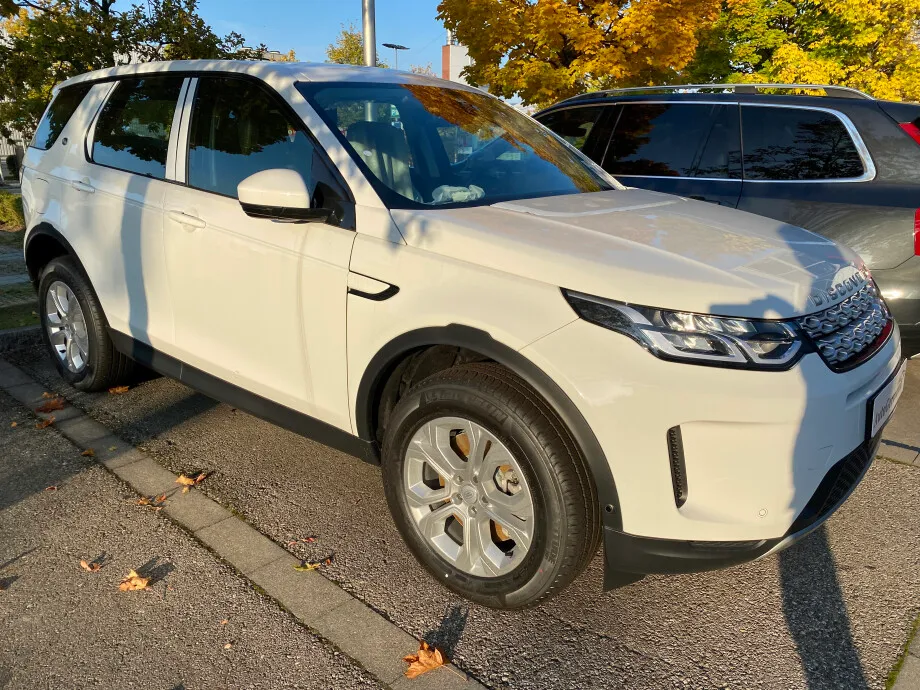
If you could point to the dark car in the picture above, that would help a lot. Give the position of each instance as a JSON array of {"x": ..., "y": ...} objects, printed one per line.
[{"x": 842, "y": 164}]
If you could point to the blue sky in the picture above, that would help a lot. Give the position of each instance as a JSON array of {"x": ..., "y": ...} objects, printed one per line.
[{"x": 308, "y": 26}]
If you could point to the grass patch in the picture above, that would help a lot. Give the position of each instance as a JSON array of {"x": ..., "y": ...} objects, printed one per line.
[
  {"x": 893, "y": 674},
  {"x": 11, "y": 209},
  {"x": 18, "y": 316}
]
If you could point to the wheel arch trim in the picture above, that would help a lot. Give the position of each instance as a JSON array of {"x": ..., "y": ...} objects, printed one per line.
[
  {"x": 46, "y": 229},
  {"x": 388, "y": 357}
]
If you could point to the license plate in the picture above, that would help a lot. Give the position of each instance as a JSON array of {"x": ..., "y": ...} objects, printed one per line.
[{"x": 882, "y": 404}]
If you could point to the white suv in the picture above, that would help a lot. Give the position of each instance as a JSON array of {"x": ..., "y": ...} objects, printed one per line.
[{"x": 411, "y": 271}]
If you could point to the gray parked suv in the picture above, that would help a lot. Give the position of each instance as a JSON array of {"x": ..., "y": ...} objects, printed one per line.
[{"x": 841, "y": 164}]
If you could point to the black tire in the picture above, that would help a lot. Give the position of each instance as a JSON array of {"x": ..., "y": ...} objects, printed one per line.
[
  {"x": 105, "y": 366},
  {"x": 566, "y": 510}
]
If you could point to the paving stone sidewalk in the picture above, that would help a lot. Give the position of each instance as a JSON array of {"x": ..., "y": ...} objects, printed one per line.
[{"x": 373, "y": 646}]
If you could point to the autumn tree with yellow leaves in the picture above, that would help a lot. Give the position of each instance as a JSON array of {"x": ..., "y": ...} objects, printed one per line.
[
  {"x": 550, "y": 49},
  {"x": 545, "y": 50}
]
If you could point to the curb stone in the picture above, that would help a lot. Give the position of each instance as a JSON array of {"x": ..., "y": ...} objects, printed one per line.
[
  {"x": 361, "y": 633},
  {"x": 20, "y": 338}
]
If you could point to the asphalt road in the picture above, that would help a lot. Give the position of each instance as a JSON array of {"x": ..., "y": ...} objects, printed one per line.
[
  {"x": 832, "y": 612},
  {"x": 63, "y": 627}
]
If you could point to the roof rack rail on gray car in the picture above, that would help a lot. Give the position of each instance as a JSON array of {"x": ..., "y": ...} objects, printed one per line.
[{"x": 834, "y": 91}]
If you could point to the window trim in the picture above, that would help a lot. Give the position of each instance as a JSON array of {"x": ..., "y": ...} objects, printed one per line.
[
  {"x": 91, "y": 134},
  {"x": 869, "y": 171}
]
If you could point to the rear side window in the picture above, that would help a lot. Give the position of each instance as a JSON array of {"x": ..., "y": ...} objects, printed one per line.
[
  {"x": 58, "y": 114},
  {"x": 797, "y": 144},
  {"x": 132, "y": 132},
  {"x": 676, "y": 140},
  {"x": 239, "y": 129},
  {"x": 573, "y": 124}
]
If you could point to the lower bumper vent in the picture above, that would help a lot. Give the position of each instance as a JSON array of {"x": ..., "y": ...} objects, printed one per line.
[{"x": 678, "y": 466}]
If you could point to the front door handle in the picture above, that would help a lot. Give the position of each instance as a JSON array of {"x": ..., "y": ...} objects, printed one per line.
[
  {"x": 186, "y": 219},
  {"x": 83, "y": 186},
  {"x": 702, "y": 198}
]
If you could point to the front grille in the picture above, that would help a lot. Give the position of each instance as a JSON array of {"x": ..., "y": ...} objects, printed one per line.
[
  {"x": 852, "y": 331},
  {"x": 836, "y": 485}
]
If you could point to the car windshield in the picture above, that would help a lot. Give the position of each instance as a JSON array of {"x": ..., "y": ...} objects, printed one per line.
[{"x": 423, "y": 145}]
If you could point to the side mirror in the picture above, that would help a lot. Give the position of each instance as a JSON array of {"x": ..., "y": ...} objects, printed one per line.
[{"x": 279, "y": 194}]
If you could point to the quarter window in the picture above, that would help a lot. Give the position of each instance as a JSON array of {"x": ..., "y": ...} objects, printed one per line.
[
  {"x": 573, "y": 124},
  {"x": 58, "y": 114},
  {"x": 797, "y": 144},
  {"x": 132, "y": 132},
  {"x": 238, "y": 129},
  {"x": 676, "y": 140}
]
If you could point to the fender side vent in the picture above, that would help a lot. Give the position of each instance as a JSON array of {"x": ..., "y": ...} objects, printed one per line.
[{"x": 678, "y": 466}]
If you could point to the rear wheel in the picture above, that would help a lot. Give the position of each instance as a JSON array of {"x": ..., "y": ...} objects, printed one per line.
[
  {"x": 75, "y": 331},
  {"x": 487, "y": 487}
]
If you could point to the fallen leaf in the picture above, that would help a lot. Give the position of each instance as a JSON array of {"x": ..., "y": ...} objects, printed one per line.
[
  {"x": 314, "y": 565},
  {"x": 161, "y": 498},
  {"x": 424, "y": 660},
  {"x": 14, "y": 425},
  {"x": 143, "y": 501},
  {"x": 47, "y": 395},
  {"x": 134, "y": 582},
  {"x": 52, "y": 405},
  {"x": 228, "y": 646},
  {"x": 88, "y": 453},
  {"x": 224, "y": 621},
  {"x": 188, "y": 482},
  {"x": 118, "y": 390},
  {"x": 51, "y": 488},
  {"x": 45, "y": 423},
  {"x": 90, "y": 567},
  {"x": 111, "y": 448}
]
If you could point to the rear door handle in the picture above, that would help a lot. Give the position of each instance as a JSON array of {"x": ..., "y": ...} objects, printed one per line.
[
  {"x": 186, "y": 219},
  {"x": 83, "y": 186}
]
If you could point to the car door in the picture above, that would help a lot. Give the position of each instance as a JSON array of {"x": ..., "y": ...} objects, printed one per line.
[
  {"x": 808, "y": 166},
  {"x": 688, "y": 149},
  {"x": 259, "y": 304},
  {"x": 117, "y": 198}
]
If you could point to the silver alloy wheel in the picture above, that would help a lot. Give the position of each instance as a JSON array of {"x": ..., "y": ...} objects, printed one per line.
[
  {"x": 66, "y": 327},
  {"x": 468, "y": 496}
]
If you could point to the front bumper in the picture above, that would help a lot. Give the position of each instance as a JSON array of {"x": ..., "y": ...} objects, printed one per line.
[{"x": 629, "y": 556}]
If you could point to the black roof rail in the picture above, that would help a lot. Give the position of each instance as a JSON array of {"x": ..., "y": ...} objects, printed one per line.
[{"x": 832, "y": 91}]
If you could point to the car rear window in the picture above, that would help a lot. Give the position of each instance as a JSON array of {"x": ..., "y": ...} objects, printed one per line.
[
  {"x": 573, "y": 124},
  {"x": 797, "y": 144},
  {"x": 676, "y": 140},
  {"x": 58, "y": 114},
  {"x": 132, "y": 132}
]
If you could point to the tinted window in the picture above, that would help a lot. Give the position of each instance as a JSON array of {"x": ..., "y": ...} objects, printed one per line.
[
  {"x": 573, "y": 124},
  {"x": 796, "y": 144},
  {"x": 58, "y": 114},
  {"x": 676, "y": 140},
  {"x": 239, "y": 129},
  {"x": 132, "y": 132},
  {"x": 420, "y": 144}
]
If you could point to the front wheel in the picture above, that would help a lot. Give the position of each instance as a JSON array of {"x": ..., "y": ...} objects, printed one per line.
[{"x": 487, "y": 487}]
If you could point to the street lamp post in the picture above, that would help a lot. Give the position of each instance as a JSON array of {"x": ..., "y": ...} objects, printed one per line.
[
  {"x": 396, "y": 48},
  {"x": 370, "y": 33}
]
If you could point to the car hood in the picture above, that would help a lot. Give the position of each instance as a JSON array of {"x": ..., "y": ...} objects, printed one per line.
[{"x": 646, "y": 248}]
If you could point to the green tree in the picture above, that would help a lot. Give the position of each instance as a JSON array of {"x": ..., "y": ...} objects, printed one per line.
[
  {"x": 348, "y": 48},
  {"x": 872, "y": 45},
  {"x": 51, "y": 40}
]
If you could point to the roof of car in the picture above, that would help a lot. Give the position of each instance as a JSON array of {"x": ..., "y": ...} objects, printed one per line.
[{"x": 297, "y": 71}]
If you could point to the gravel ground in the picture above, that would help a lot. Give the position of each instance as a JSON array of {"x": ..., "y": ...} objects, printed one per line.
[
  {"x": 63, "y": 627},
  {"x": 833, "y": 612}
]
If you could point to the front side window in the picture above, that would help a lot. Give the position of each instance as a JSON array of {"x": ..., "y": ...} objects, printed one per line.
[
  {"x": 422, "y": 145},
  {"x": 573, "y": 124},
  {"x": 676, "y": 140},
  {"x": 797, "y": 144},
  {"x": 58, "y": 114},
  {"x": 237, "y": 130},
  {"x": 132, "y": 132}
]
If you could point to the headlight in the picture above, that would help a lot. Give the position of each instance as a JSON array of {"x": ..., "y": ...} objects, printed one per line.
[{"x": 696, "y": 338}]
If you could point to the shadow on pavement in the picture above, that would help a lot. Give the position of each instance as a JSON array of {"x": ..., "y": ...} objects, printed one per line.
[
  {"x": 816, "y": 616},
  {"x": 447, "y": 635}
]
